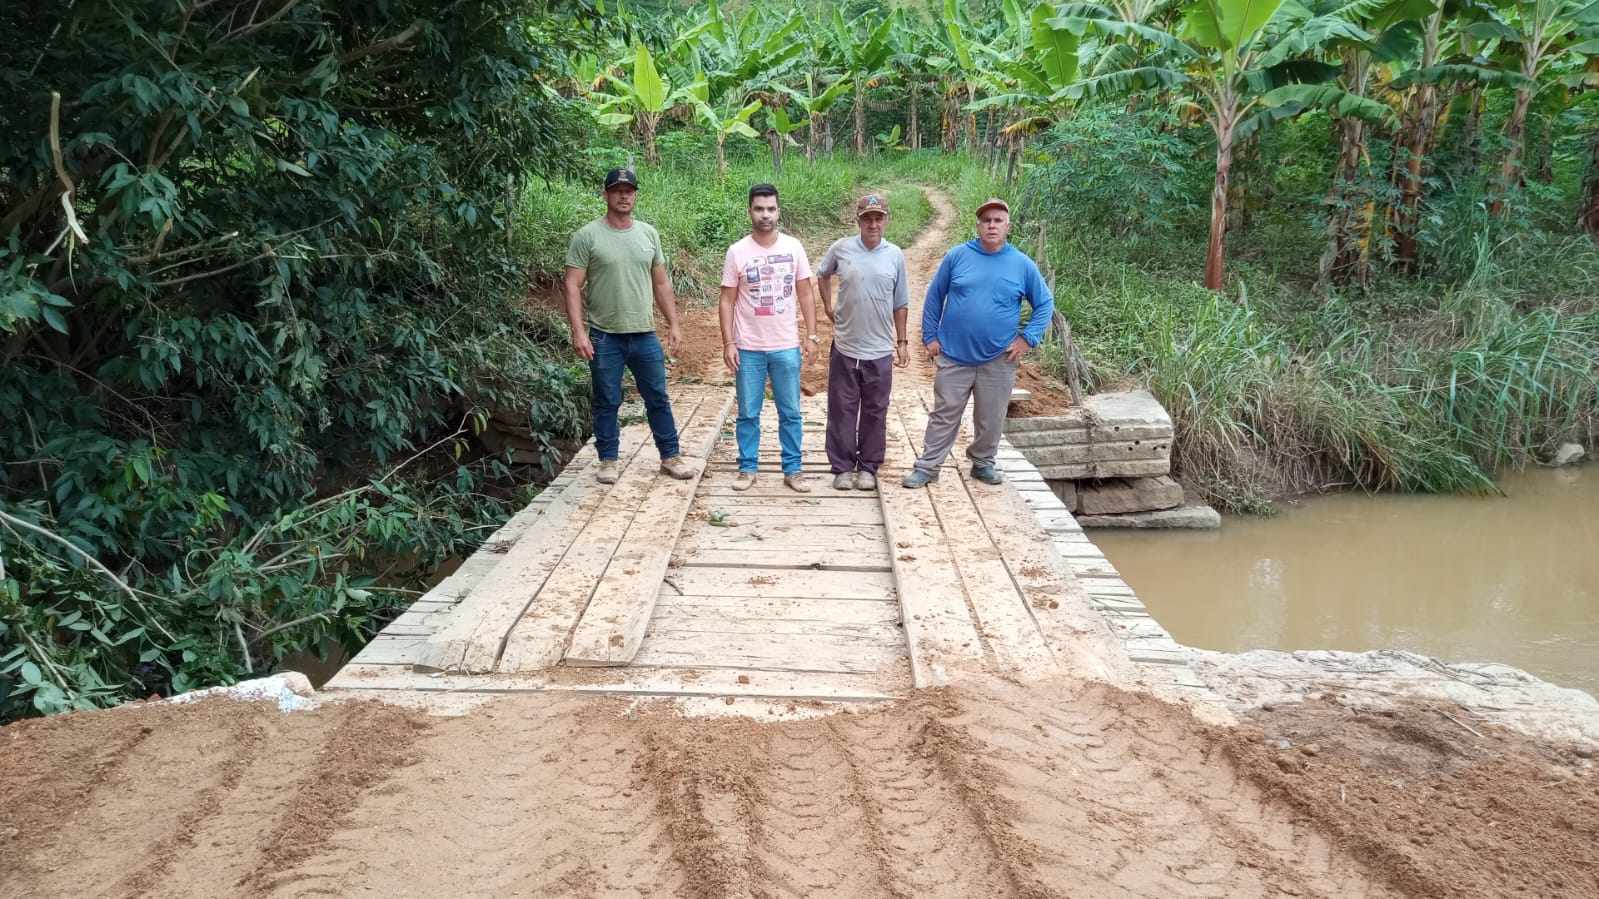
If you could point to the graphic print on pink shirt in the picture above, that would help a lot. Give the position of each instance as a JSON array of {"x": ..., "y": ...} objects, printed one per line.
[{"x": 767, "y": 280}]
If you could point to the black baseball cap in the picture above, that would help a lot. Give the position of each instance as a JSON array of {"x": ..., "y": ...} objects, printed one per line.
[{"x": 619, "y": 177}]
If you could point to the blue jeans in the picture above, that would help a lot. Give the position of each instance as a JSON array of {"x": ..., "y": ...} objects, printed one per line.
[
  {"x": 642, "y": 354},
  {"x": 783, "y": 368}
]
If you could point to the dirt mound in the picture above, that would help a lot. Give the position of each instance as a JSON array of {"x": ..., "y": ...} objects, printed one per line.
[
  {"x": 1056, "y": 789},
  {"x": 1439, "y": 805}
]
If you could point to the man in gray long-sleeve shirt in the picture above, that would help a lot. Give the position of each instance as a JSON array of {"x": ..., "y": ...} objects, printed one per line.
[{"x": 868, "y": 340}]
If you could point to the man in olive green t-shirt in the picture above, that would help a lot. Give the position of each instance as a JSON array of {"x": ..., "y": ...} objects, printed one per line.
[{"x": 614, "y": 268}]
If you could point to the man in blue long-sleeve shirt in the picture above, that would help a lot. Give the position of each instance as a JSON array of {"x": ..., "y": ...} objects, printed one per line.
[{"x": 971, "y": 326}]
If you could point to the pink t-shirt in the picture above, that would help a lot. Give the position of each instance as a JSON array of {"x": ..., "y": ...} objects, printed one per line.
[{"x": 767, "y": 279}]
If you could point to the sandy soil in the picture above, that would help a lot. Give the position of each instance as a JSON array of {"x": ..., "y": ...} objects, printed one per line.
[{"x": 1057, "y": 789}]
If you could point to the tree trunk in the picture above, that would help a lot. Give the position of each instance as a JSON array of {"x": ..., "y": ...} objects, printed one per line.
[
  {"x": 1419, "y": 125},
  {"x": 1588, "y": 217},
  {"x": 1543, "y": 165},
  {"x": 916, "y": 121},
  {"x": 776, "y": 140},
  {"x": 860, "y": 117},
  {"x": 648, "y": 121},
  {"x": 971, "y": 118},
  {"x": 721, "y": 156},
  {"x": 1515, "y": 132},
  {"x": 1344, "y": 261},
  {"x": 810, "y": 139},
  {"x": 827, "y": 135},
  {"x": 1216, "y": 253},
  {"x": 951, "y": 123},
  {"x": 1017, "y": 148},
  {"x": 1471, "y": 133}
]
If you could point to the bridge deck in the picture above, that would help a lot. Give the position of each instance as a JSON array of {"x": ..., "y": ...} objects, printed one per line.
[{"x": 657, "y": 587}]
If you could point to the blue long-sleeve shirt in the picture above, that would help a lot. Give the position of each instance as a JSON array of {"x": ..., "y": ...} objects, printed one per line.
[{"x": 974, "y": 304}]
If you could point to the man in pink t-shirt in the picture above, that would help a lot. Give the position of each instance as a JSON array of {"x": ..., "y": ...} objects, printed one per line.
[{"x": 766, "y": 275}]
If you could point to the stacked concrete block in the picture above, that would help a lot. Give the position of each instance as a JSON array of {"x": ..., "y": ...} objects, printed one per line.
[{"x": 1109, "y": 461}]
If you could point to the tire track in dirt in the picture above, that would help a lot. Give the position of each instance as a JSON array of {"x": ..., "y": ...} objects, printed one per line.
[
  {"x": 364, "y": 747},
  {"x": 245, "y": 738},
  {"x": 540, "y": 798}
]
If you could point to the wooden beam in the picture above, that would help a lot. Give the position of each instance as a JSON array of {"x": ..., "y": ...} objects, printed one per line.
[
  {"x": 938, "y": 626},
  {"x": 1001, "y": 612},
  {"x": 612, "y": 626},
  {"x": 671, "y": 682}
]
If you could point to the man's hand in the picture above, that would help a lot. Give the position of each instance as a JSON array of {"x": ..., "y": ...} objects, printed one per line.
[
  {"x": 580, "y": 342},
  {"x": 902, "y": 357},
  {"x": 1017, "y": 349},
  {"x": 674, "y": 340},
  {"x": 808, "y": 349},
  {"x": 827, "y": 310},
  {"x": 933, "y": 349},
  {"x": 730, "y": 356}
]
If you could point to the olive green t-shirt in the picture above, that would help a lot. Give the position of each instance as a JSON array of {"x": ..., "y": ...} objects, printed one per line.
[{"x": 617, "y": 293}]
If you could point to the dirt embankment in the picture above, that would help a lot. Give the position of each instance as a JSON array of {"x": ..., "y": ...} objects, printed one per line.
[{"x": 1055, "y": 789}]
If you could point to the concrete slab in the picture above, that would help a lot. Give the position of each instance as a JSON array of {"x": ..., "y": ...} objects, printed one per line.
[{"x": 1194, "y": 516}]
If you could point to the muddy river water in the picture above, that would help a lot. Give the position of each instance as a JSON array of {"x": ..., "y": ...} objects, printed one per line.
[{"x": 1512, "y": 579}]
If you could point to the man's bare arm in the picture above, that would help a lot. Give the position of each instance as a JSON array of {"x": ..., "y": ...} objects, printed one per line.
[
  {"x": 807, "y": 299},
  {"x": 666, "y": 302},
  {"x": 824, "y": 286},
  {"x": 572, "y": 287},
  {"x": 724, "y": 314}
]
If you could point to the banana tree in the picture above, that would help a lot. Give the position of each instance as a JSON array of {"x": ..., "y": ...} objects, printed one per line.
[
  {"x": 1030, "y": 78},
  {"x": 1245, "y": 74},
  {"x": 640, "y": 102},
  {"x": 779, "y": 133},
  {"x": 814, "y": 106},
  {"x": 722, "y": 122},
  {"x": 1540, "y": 31},
  {"x": 862, "y": 59}
]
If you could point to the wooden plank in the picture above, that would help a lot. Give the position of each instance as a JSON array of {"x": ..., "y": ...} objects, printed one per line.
[
  {"x": 1003, "y": 617},
  {"x": 476, "y": 632},
  {"x": 700, "y": 621},
  {"x": 1076, "y": 633},
  {"x": 813, "y": 558},
  {"x": 787, "y": 500},
  {"x": 775, "y": 488},
  {"x": 781, "y": 582},
  {"x": 844, "y": 515},
  {"x": 758, "y": 683},
  {"x": 785, "y": 536},
  {"x": 938, "y": 628},
  {"x": 768, "y": 610},
  {"x": 613, "y": 624},
  {"x": 784, "y": 652},
  {"x": 539, "y": 636}
]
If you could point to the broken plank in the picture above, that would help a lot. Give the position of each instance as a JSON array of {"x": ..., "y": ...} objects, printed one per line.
[
  {"x": 476, "y": 630},
  {"x": 539, "y": 637},
  {"x": 938, "y": 628},
  {"x": 613, "y": 624}
]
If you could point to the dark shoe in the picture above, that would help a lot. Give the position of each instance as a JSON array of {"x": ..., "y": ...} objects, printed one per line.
[
  {"x": 988, "y": 474},
  {"x": 918, "y": 478}
]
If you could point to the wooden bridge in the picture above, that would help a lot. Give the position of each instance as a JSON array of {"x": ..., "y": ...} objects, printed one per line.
[{"x": 657, "y": 587}]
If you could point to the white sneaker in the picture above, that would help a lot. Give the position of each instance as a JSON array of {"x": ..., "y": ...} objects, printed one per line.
[
  {"x": 797, "y": 483},
  {"x": 844, "y": 481},
  {"x": 608, "y": 472},
  {"x": 744, "y": 481},
  {"x": 865, "y": 480}
]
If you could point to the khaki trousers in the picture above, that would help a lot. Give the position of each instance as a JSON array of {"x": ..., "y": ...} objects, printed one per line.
[{"x": 988, "y": 386}]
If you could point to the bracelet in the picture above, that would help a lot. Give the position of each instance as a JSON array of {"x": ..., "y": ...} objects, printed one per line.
[{"x": 903, "y": 343}]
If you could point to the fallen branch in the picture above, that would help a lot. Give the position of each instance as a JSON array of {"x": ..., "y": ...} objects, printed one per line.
[{"x": 93, "y": 562}]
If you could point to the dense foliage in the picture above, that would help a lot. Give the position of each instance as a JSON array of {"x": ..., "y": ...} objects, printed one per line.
[{"x": 252, "y": 255}]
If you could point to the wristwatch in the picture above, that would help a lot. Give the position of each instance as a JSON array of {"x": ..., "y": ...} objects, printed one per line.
[{"x": 814, "y": 339}]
